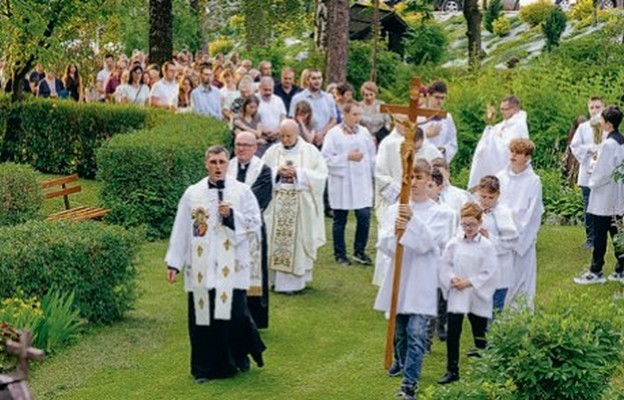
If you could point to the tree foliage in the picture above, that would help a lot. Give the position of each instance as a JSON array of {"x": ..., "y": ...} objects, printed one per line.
[
  {"x": 553, "y": 28},
  {"x": 492, "y": 13}
]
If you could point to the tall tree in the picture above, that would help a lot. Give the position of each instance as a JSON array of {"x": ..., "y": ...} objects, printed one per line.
[
  {"x": 160, "y": 31},
  {"x": 472, "y": 13},
  {"x": 34, "y": 31},
  {"x": 256, "y": 29},
  {"x": 338, "y": 40}
]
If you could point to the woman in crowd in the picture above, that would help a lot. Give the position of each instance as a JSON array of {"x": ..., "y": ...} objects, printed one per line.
[
  {"x": 303, "y": 116},
  {"x": 246, "y": 88},
  {"x": 249, "y": 120},
  {"x": 137, "y": 91},
  {"x": 229, "y": 93},
  {"x": 122, "y": 87},
  {"x": 373, "y": 119},
  {"x": 72, "y": 82},
  {"x": 184, "y": 96}
]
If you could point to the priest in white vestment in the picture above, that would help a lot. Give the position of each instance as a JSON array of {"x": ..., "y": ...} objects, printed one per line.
[
  {"x": 521, "y": 191},
  {"x": 441, "y": 132},
  {"x": 428, "y": 227},
  {"x": 215, "y": 220},
  {"x": 388, "y": 175},
  {"x": 492, "y": 151},
  {"x": 294, "y": 219},
  {"x": 349, "y": 151}
]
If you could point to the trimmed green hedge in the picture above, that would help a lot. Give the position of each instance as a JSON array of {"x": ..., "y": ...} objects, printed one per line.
[
  {"x": 21, "y": 197},
  {"x": 93, "y": 259},
  {"x": 60, "y": 136},
  {"x": 144, "y": 174}
]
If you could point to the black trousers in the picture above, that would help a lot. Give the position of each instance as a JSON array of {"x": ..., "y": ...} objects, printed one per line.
[
  {"x": 455, "y": 321},
  {"x": 604, "y": 226},
  {"x": 220, "y": 350}
]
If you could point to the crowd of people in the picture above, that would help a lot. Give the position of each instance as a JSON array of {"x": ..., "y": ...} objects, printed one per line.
[{"x": 303, "y": 153}]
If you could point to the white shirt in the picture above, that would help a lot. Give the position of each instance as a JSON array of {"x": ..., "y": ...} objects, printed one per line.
[
  {"x": 103, "y": 76},
  {"x": 583, "y": 149},
  {"x": 447, "y": 138},
  {"x": 607, "y": 196},
  {"x": 137, "y": 96},
  {"x": 271, "y": 112},
  {"x": 166, "y": 92},
  {"x": 350, "y": 182}
]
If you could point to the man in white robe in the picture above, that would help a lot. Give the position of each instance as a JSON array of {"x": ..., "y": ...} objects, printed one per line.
[
  {"x": 584, "y": 147},
  {"x": 492, "y": 152},
  {"x": 294, "y": 219},
  {"x": 427, "y": 229},
  {"x": 450, "y": 195},
  {"x": 388, "y": 175},
  {"x": 247, "y": 168},
  {"x": 521, "y": 191},
  {"x": 210, "y": 242},
  {"x": 349, "y": 152},
  {"x": 441, "y": 132}
]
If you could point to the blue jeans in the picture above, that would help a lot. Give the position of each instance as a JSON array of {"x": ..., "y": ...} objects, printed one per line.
[
  {"x": 589, "y": 221},
  {"x": 339, "y": 223},
  {"x": 410, "y": 339},
  {"x": 498, "y": 301}
]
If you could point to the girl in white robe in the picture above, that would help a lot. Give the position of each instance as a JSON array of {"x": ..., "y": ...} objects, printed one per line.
[{"x": 468, "y": 280}]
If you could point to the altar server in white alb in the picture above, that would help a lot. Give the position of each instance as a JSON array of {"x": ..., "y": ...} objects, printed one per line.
[
  {"x": 388, "y": 175},
  {"x": 606, "y": 200},
  {"x": 349, "y": 152},
  {"x": 468, "y": 281},
  {"x": 492, "y": 152},
  {"x": 584, "y": 147},
  {"x": 499, "y": 227},
  {"x": 294, "y": 219},
  {"x": 521, "y": 191},
  {"x": 441, "y": 132},
  {"x": 450, "y": 195},
  {"x": 215, "y": 219},
  {"x": 428, "y": 227}
]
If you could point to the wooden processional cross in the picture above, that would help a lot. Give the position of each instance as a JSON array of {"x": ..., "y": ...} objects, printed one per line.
[
  {"x": 15, "y": 385},
  {"x": 413, "y": 111}
]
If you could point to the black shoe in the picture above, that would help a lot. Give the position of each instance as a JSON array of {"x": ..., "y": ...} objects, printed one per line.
[
  {"x": 329, "y": 213},
  {"x": 473, "y": 353},
  {"x": 200, "y": 381},
  {"x": 395, "y": 370},
  {"x": 362, "y": 259},
  {"x": 258, "y": 359},
  {"x": 343, "y": 261},
  {"x": 449, "y": 377},
  {"x": 407, "y": 392}
]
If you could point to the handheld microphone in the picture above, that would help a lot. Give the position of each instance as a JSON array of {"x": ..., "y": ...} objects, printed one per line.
[{"x": 220, "y": 186}]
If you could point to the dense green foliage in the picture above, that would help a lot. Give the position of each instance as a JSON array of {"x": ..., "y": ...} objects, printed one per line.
[
  {"x": 359, "y": 65},
  {"x": 20, "y": 195},
  {"x": 61, "y": 136},
  {"x": 536, "y": 13},
  {"x": 93, "y": 259},
  {"x": 566, "y": 352},
  {"x": 7, "y": 332},
  {"x": 493, "y": 12},
  {"x": 144, "y": 174},
  {"x": 501, "y": 26},
  {"x": 425, "y": 42},
  {"x": 553, "y": 27}
]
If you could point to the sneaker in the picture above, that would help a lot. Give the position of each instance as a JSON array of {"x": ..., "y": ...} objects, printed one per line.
[
  {"x": 201, "y": 381},
  {"x": 588, "y": 245},
  {"x": 362, "y": 259},
  {"x": 589, "y": 278},
  {"x": 616, "y": 277},
  {"x": 449, "y": 377},
  {"x": 343, "y": 261},
  {"x": 395, "y": 370},
  {"x": 407, "y": 392},
  {"x": 473, "y": 353}
]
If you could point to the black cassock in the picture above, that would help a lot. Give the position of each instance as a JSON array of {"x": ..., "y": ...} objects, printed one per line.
[{"x": 262, "y": 188}]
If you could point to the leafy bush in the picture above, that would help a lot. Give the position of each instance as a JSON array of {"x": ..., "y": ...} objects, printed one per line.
[
  {"x": 61, "y": 136},
  {"x": 582, "y": 10},
  {"x": 536, "y": 13},
  {"x": 553, "y": 27},
  {"x": 563, "y": 204},
  {"x": 569, "y": 352},
  {"x": 359, "y": 64},
  {"x": 20, "y": 195},
  {"x": 492, "y": 13},
  {"x": 93, "y": 259},
  {"x": 501, "y": 26},
  {"x": 144, "y": 174},
  {"x": 220, "y": 46},
  {"x": 425, "y": 42},
  {"x": 7, "y": 332}
]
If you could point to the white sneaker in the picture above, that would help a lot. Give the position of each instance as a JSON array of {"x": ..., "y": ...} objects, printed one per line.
[
  {"x": 589, "y": 278},
  {"x": 616, "y": 277}
]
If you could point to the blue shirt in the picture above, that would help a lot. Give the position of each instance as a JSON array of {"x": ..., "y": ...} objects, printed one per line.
[
  {"x": 206, "y": 101},
  {"x": 323, "y": 107}
]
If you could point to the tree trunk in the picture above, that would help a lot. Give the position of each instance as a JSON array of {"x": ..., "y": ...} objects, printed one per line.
[
  {"x": 373, "y": 74},
  {"x": 320, "y": 24},
  {"x": 472, "y": 14},
  {"x": 160, "y": 31},
  {"x": 338, "y": 41}
]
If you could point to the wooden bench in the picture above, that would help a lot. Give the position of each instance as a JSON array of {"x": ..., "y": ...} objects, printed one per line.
[{"x": 76, "y": 213}]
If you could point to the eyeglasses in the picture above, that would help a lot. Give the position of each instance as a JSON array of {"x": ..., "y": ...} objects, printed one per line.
[
  {"x": 469, "y": 225},
  {"x": 244, "y": 145}
]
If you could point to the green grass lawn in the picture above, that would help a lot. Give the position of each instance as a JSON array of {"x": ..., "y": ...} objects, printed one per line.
[{"x": 326, "y": 343}]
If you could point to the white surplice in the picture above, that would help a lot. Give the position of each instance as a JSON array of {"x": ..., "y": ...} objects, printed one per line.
[
  {"x": 447, "y": 138},
  {"x": 211, "y": 255},
  {"x": 607, "y": 196},
  {"x": 475, "y": 260},
  {"x": 425, "y": 235},
  {"x": 454, "y": 197},
  {"x": 522, "y": 193},
  {"x": 350, "y": 183},
  {"x": 503, "y": 233},
  {"x": 295, "y": 217},
  {"x": 583, "y": 148},
  {"x": 492, "y": 152}
]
